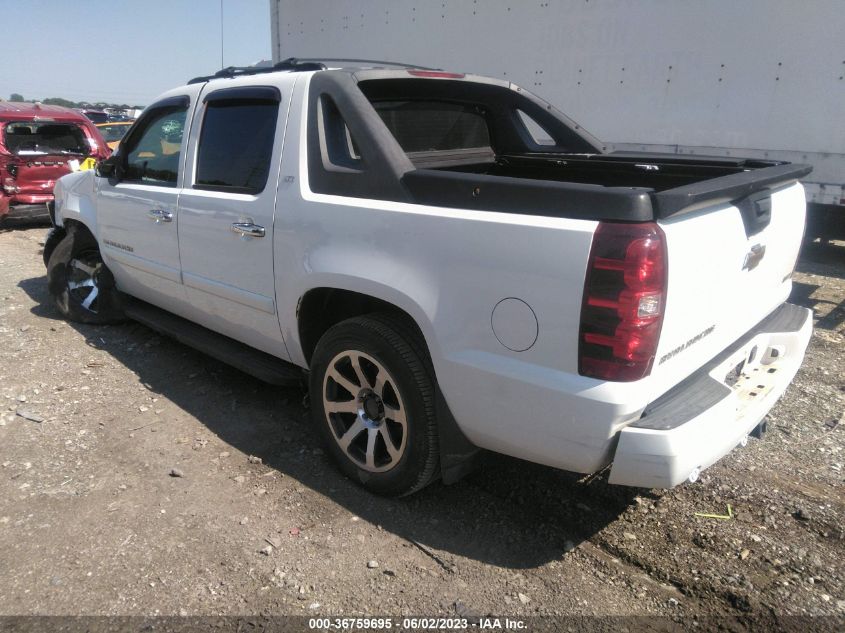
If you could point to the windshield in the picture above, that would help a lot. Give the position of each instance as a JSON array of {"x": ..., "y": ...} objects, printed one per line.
[
  {"x": 114, "y": 132},
  {"x": 32, "y": 138}
]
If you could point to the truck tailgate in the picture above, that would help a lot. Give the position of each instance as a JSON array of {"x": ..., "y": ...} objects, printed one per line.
[
  {"x": 730, "y": 265},
  {"x": 38, "y": 174}
]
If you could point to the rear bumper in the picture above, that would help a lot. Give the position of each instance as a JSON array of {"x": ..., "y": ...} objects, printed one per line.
[
  {"x": 29, "y": 211},
  {"x": 704, "y": 418}
]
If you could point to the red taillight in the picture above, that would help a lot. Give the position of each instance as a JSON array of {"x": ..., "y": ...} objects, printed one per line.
[
  {"x": 9, "y": 185},
  {"x": 624, "y": 298},
  {"x": 436, "y": 74}
]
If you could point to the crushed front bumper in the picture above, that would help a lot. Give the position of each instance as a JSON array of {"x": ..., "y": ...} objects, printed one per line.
[{"x": 708, "y": 414}]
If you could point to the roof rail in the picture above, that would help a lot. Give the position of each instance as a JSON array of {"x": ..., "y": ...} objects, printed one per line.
[
  {"x": 368, "y": 62},
  {"x": 239, "y": 71},
  {"x": 296, "y": 64}
]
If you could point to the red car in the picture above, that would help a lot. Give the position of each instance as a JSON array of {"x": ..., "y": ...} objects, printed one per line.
[{"x": 38, "y": 143}]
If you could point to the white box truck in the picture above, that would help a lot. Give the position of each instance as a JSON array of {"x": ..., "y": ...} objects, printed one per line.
[{"x": 761, "y": 79}]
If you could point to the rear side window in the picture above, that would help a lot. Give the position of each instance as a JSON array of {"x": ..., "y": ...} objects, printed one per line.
[
  {"x": 32, "y": 138},
  {"x": 236, "y": 145},
  {"x": 426, "y": 126},
  {"x": 537, "y": 132},
  {"x": 338, "y": 148}
]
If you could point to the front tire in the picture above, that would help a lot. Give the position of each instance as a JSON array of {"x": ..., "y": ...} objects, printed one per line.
[
  {"x": 372, "y": 400},
  {"x": 81, "y": 285},
  {"x": 54, "y": 238}
]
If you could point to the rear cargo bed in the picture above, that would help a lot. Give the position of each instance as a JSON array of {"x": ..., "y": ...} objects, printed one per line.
[{"x": 630, "y": 187}]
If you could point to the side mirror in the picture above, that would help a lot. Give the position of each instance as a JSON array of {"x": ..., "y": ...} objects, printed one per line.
[{"x": 109, "y": 167}]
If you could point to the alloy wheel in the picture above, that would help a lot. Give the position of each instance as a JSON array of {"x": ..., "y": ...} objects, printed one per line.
[
  {"x": 365, "y": 411},
  {"x": 83, "y": 280}
]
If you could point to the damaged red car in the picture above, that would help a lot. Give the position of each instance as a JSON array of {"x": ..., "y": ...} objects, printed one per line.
[{"x": 38, "y": 145}]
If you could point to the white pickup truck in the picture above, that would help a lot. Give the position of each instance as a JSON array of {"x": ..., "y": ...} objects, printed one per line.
[{"x": 455, "y": 263}]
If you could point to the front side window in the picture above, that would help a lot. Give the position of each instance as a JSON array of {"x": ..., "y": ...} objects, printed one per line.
[
  {"x": 152, "y": 154},
  {"x": 236, "y": 145},
  {"x": 426, "y": 126}
]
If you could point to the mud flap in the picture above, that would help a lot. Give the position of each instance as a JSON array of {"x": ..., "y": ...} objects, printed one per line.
[{"x": 457, "y": 453}]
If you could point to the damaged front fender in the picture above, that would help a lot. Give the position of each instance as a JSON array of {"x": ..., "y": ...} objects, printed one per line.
[{"x": 74, "y": 200}]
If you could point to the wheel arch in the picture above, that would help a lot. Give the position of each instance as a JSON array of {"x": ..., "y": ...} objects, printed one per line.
[
  {"x": 321, "y": 307},
  {"x": 76, "y": 224}
]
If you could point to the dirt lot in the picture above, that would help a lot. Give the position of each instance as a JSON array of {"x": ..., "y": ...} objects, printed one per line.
[{"x": 92, "y": 522}]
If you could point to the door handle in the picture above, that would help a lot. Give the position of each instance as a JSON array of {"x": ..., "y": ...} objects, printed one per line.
[
  {"x": 160, "y": 215},
  {"x": 249, "y": 229}
]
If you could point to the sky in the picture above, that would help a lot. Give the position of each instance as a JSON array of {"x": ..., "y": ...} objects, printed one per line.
[{"x": 119, "y": 51}]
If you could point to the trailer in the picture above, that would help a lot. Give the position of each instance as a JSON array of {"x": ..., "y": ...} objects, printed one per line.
[{"x": 762, "y": 79}]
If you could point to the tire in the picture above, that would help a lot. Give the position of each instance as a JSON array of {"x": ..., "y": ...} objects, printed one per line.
[
  {"x": 75, "y": 272},
  {"x": 372, "y": 403},
  {"x": 54, "y": 238}
]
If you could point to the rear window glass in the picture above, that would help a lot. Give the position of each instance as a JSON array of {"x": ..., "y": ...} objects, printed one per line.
[
  {"x": 425, "y": 126},
  {"x": 33, "y": 138},
  {"x": 236, "y": 145}
]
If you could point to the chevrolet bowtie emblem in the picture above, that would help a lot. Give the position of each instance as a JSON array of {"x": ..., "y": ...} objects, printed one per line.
[{"x": 753, "y": 257}]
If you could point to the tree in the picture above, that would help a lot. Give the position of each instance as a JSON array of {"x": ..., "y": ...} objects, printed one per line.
[
  {"x": 67, "y": 103},
  {"x": 59, "y": 102}
]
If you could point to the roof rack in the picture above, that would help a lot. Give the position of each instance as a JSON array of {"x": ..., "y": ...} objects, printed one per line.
[{"x": 297, "y": 64}]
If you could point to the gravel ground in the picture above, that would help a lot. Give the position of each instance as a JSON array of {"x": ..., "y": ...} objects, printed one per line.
[{"x": 138, "y": 477}]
